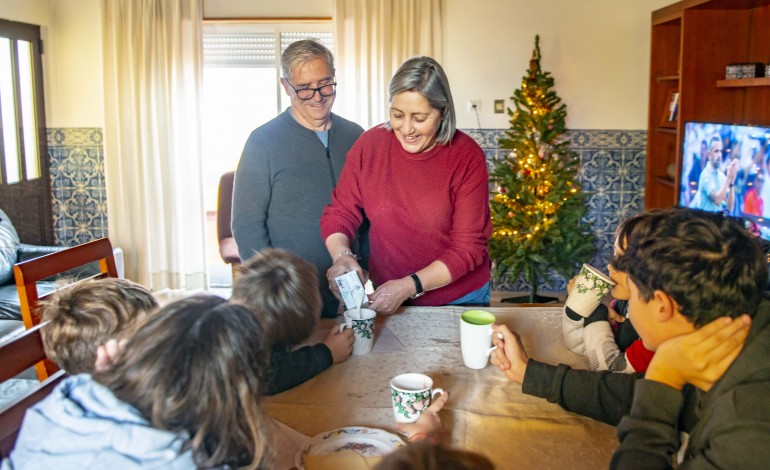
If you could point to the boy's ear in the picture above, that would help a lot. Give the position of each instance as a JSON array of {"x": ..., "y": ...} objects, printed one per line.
[{"x": 666, "y": 306}]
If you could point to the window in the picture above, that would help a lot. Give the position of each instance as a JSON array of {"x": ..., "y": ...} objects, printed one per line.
[
  {"x": 241, "y": 91},
  {"x": 21, "y": 103}
]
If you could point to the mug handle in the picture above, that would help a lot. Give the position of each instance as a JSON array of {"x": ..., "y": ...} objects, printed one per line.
[
  {"x": 436, "y": 391},
  {"x": 343, "y": 326}
]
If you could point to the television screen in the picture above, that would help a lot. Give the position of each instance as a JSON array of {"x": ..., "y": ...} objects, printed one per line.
[{"x": 716, "y": 156}]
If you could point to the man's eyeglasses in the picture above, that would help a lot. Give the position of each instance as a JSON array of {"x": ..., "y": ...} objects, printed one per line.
[{"x": 308, "y": 93}]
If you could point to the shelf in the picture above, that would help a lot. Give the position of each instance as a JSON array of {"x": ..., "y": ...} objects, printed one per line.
[
  {"x": 744, "y": 82},
  {"x": 666, "y": 130},
  {"x": 665, "y": 180},
  {"x": 667, "y": 78}
]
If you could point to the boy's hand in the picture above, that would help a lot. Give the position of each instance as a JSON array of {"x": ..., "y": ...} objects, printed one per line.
[
  {"x": 429, "y": 422},
  {"x": 339, "y": 343},
  {"x": 509, "y": 356},
  {"x": 699, "y": 358},
  {"x": 570, "y": 284},
  {"x": 107, "y": 354},
  {"x": 614, "y": 317}
]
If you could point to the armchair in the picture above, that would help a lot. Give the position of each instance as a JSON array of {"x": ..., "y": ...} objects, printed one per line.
[
  {"x": 228, "y": 249},
  {"x": 13, "y": 251}
]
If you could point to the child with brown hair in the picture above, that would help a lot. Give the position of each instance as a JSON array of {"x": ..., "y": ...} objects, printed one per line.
[
  {"x": 183, "y": 392},
  {"x": 92, "y": 314},
  {"x": 281, "y": 289}
]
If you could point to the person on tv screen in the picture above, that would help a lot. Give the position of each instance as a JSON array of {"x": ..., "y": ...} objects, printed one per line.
[
  {"x": 716, "y": 190},
  {"x": 754, "y": 204}
]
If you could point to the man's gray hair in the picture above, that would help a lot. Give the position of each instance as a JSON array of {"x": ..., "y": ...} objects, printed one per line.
[{"x": 302, "y": 51}]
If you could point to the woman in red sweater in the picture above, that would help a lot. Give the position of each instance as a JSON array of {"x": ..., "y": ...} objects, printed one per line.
[{"x": 423, "y": 185}]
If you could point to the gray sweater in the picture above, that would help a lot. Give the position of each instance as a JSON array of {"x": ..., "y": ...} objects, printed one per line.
[{"x": 283, "y": 181}]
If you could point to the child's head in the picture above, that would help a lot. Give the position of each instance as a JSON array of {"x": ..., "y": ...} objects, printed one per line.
[
  {"x": 423, "y": 455},
  {"x": 197, "y": 366},
  {"x": 282, "y": 289},
  {"x": 705, "y": 262},
  {"x": 87, "y": 314}
]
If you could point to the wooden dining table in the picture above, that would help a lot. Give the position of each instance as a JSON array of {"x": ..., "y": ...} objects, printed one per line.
[{"x": 486, "y": 413}]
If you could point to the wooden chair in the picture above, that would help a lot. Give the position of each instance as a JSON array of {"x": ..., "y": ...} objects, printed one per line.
[
  {"x": 28, "y": 273},
  {"x": 17, "y": 355}
]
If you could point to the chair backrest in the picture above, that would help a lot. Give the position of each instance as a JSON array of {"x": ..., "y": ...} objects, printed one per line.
[
  {"x": 28, "y": 273},
  {"x": 228, "y": 249},
  {"x": 17, "y": 355}
]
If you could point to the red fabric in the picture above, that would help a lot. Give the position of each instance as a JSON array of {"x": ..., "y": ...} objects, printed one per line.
[
  {"x": 422, "y": 207},
  {"x": 639, "y": 356},
  {"x": 753, "y": 204}
]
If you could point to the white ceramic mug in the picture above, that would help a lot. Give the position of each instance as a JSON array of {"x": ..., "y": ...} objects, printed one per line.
[
  {"x": 363, "y": 329},
  {"x": 476, "y": 337},
  {"x": 411, "y": 394},
  {"x": 591, "y": 285}
]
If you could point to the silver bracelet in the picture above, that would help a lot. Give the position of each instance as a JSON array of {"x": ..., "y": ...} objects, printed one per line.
[{"x": 342, "y": 253}]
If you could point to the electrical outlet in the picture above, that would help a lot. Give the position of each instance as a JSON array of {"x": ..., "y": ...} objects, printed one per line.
[{"x": 474, "y": 106}]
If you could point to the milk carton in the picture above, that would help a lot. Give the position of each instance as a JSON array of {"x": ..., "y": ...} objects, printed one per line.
[{"x": 349, "y": 283}]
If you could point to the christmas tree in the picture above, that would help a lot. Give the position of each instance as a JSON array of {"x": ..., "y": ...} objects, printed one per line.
[{"x": 537, "y": 205}]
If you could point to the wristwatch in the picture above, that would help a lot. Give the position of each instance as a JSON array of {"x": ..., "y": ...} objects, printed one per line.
[{"x": 417, "y": 285}]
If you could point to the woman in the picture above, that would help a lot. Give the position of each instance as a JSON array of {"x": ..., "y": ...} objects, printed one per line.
[
  {"x": 182, "y": 394},
  {"x": 423, "y": 185}
]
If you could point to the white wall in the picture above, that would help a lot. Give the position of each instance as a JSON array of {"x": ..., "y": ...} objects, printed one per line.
[
  {"x": 72, "y": 57},
  {"x": 597, "y": 51}
]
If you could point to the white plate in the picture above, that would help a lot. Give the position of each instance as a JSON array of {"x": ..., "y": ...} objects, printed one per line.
[{"x": 369, "y": 442}]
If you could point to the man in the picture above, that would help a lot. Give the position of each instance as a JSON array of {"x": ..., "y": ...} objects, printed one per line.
[
  {"x": 716, "y": 191},
  {"x": 695, "y": 285},
  {"x": 290, "y": 165}
]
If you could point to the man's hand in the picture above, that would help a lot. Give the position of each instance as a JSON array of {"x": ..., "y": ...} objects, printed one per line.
[
  {"x": 699, "y": 358},
  {"x": 429, "y": 422},
  {"x": 509, "y": 356},
  {"x": 339, "y": 343},
  {"x": 732, "y": 170}
]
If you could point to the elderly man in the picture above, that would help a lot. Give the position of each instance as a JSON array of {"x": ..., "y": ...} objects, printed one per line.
[{"x": 290, "y": 165}]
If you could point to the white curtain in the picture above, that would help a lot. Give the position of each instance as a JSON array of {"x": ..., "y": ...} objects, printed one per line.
[
  {"x": 152, "y": 78},
  {"x": 372, "y": 39}
]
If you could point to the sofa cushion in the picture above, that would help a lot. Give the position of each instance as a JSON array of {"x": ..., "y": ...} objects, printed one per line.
[{"x": 9, "y": 246}]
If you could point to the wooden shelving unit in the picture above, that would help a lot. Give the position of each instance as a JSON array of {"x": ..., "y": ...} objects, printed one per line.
[{"x": 692, "y": 41}]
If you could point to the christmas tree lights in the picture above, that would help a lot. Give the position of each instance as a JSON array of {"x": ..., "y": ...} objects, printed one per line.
[{"x": 537, "y": 206}]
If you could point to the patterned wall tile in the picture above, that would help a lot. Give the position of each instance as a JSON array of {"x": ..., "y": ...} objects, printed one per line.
[
  {"x": 77, "y": 181},
  {"x": 612, "y": 173}
]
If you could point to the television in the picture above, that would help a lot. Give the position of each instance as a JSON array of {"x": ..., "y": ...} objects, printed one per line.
[{"x": 700, "y": 179}]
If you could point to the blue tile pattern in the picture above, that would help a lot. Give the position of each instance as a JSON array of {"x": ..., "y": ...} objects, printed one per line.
[
  {"x": 76, "y": 158},
  {"x": 612, "y": 173}
]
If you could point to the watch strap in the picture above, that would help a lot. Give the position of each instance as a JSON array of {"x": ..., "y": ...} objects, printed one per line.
[{"x": 417, "y": 285}]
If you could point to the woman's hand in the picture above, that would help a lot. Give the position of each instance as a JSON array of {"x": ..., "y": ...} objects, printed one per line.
[
  {"x": 389, "y": 296},
  {"x": 344, "y": 264}
]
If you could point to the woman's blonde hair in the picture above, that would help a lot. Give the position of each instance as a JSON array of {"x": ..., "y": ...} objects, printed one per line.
[{"x": 198, "y": 366}]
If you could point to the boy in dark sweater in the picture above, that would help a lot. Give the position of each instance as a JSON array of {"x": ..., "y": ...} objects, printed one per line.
[
  {"x": 281, "y": 289},
  {"x": 696, "y": 282}
]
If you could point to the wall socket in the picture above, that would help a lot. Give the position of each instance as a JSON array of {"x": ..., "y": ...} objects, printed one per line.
[{"x": 472, "y": 104}]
